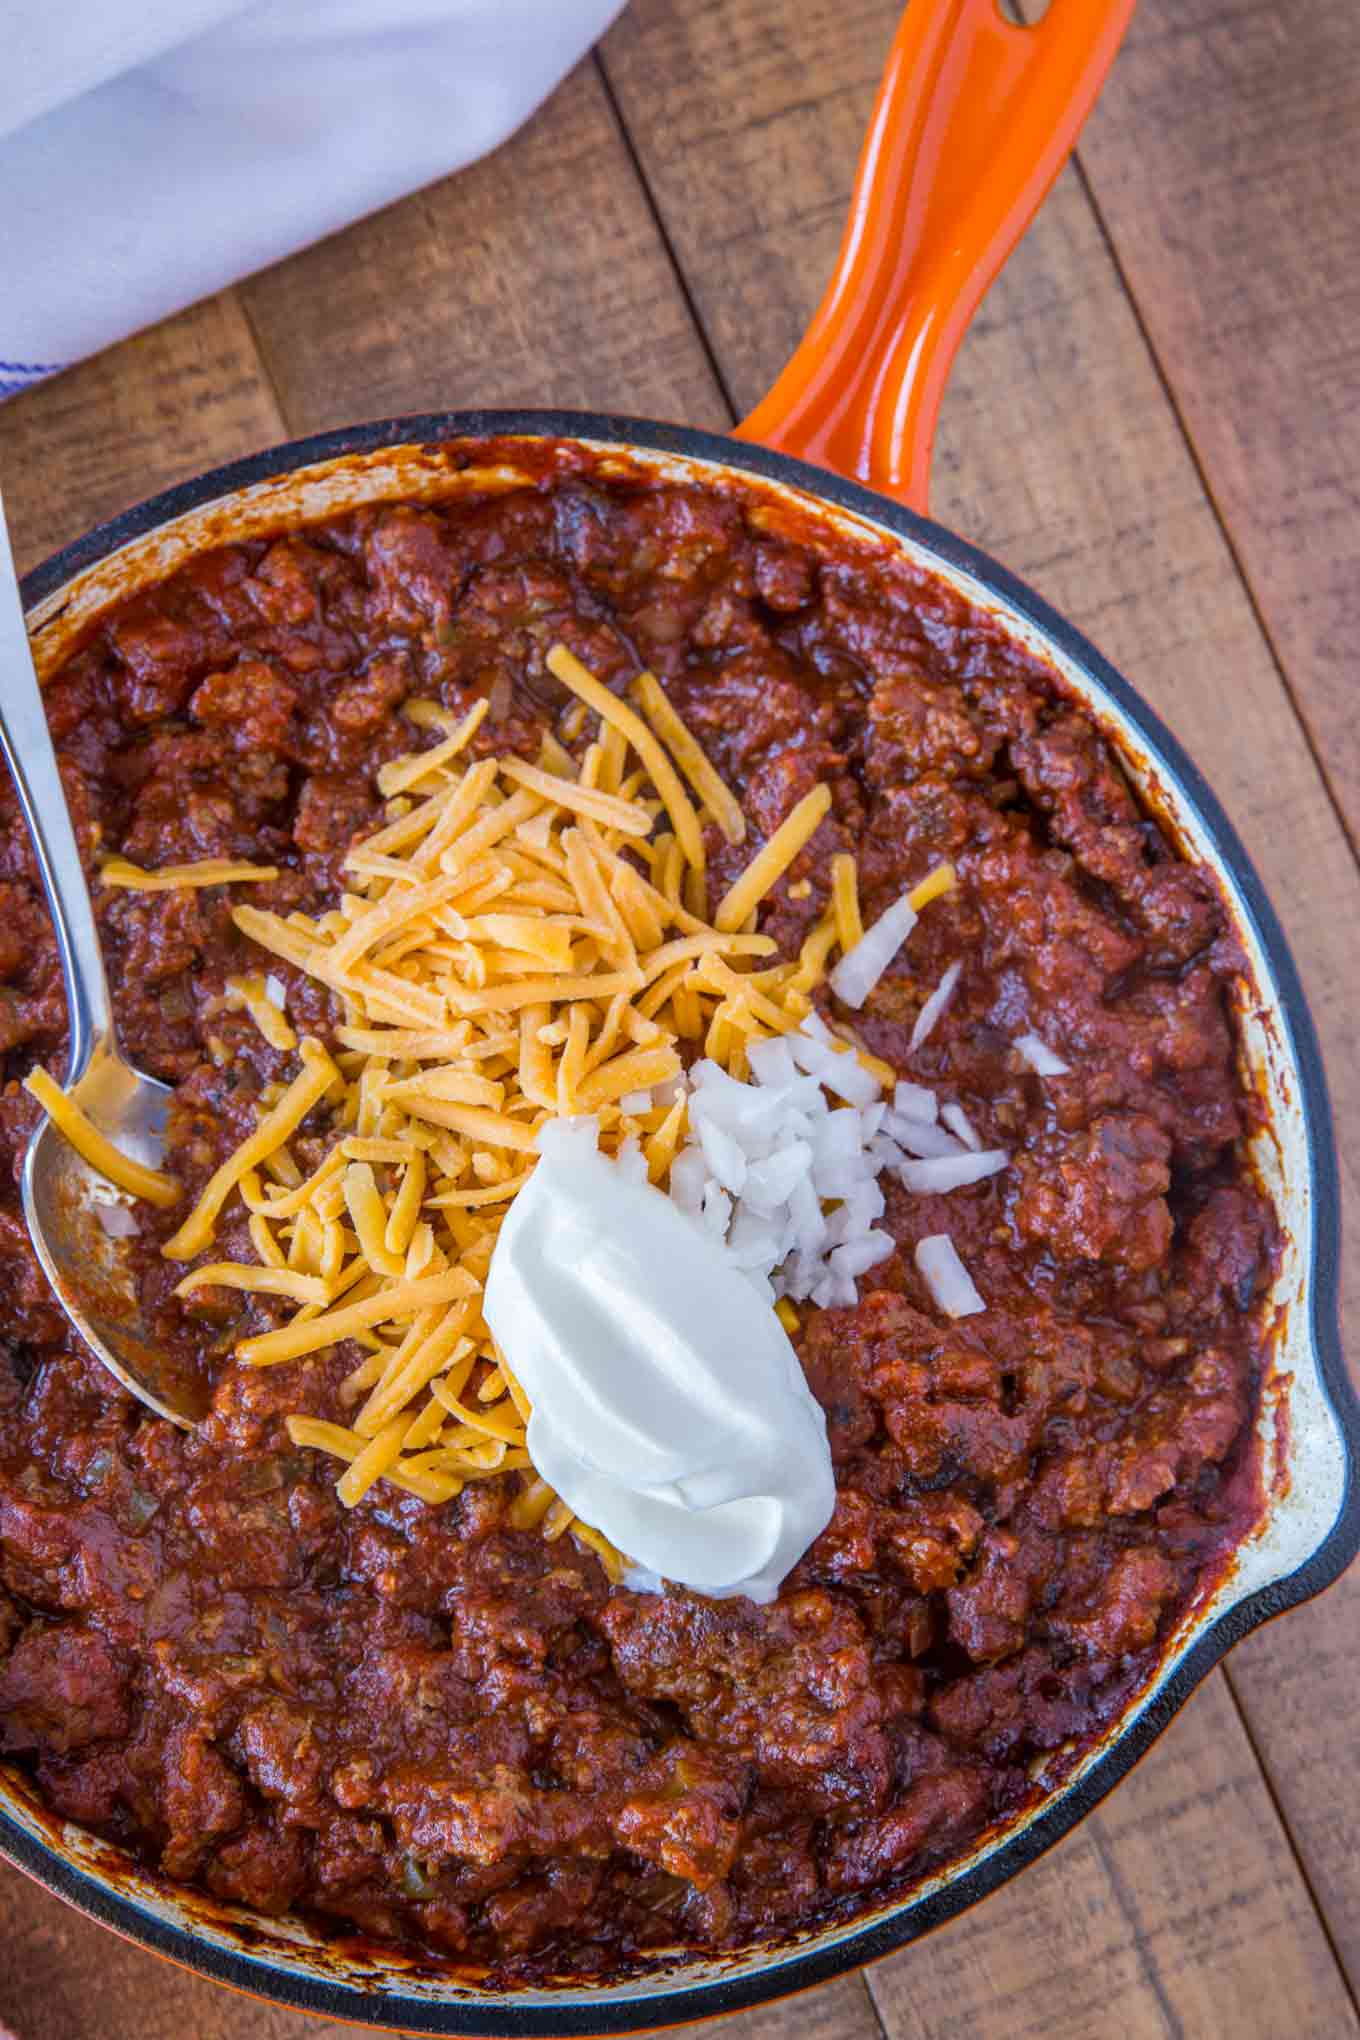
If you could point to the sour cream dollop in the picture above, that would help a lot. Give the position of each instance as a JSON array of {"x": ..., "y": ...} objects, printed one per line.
[{"x": 669, "y": 1408}]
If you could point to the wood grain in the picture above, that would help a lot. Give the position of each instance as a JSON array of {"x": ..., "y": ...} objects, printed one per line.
[
  {"x": 534, "y": 278},
  {"x": 1295, "y": 1681},
  {"x": 748, "y": 120},
  {"x": 842, "y": 2010},
  {"x": 1175, "y": 1910},
  {"x": 162, "y": 406},
  {"x": 1240, "y": 234},
  {"x": 64, "y": 1978}
]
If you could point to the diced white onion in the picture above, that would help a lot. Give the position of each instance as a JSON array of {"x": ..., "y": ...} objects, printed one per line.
[
  {"x": 835, "y": 1291},
  {"x": 753, "y": 1241},
  {"x": 945, "y": 1276},
  {"x": 951, "y": 1172},
  {"x": 787, "y": 1176},
  {"x": 860, "y": 969},
  {"x": 857, "y": 1257},
  {"x": 276, "y": 991},
  {"x": 958, "y": 1121},
  {"x": 840, "y": 1070},
  {"x": 806, "y": 1218},
  {"x": 724, "y": 1155},
  {"x": 688, "y": 1172},
  {"x": 117, "y": 1221},
  {"x": 771, "y": 1063},
  {"x": 861, "y": 1207},
  {"x": 1044, "y": 1061},
  {"x": 636, "y": 1101},
  {"x": 631, "y": 1162},
  {"x": 746, "y": 1111},
  {"x": 770, "y": 1183},
  {"x": 919, "y": 1139},
  {"x": 914, "y": 1101},
  {"x": 837, "y": 1137},
  {"x": 935, "y": 1005}
]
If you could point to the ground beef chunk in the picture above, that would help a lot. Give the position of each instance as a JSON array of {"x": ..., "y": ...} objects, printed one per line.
[
  {"x": 1122, "y": 1612},
  {"x": 1102, "y": 1197},
  {"x": 365, "y": 701},
  {"x": 989, "y": 1614},
  {"x": 918, "y": 725},
  {"x": 936, "y": 1813},
  {"x": 264, "y": 1867},
  {"x": 789, "y": 1689},
  {"x": 62, "y": 1687},
  {"x": 201, "y": 1799},
  {"x": 250, "y": 704}
]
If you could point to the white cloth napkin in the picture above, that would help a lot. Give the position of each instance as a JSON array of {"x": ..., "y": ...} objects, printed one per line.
[{"x": 152, "y": 151}]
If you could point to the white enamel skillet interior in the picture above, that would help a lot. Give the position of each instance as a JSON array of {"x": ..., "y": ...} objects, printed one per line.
[{"x": 1308, "y": 1423}]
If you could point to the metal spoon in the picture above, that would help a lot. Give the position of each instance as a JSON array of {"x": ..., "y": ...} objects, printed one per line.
[{"x": 89, "y": 1270}]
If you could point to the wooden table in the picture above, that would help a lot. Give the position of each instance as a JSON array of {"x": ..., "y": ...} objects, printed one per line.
[{"x": 1157, "y": 420}]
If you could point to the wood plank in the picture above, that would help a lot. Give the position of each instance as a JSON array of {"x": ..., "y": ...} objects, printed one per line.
[
  {"x": 1241, "y": 239},
  {"x": 1058, "y": 452},
  {"x": 1175, "y": 1910},
  {"x": 64, "y": 1978},
  {"x": 162, "y": 406},
  {"x": 748, "y": 120},
  {"x": 1295, "y": 1683},
  {"x": 842, "y": 2010},
  {"x": 535, "y": 278}
]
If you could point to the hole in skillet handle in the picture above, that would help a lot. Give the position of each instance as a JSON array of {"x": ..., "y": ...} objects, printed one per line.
[{"x": 1023, "y": 13}]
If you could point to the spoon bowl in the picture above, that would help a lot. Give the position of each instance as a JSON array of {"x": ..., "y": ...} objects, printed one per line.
[
  {"x": 79, "y": 1222},
  {"x": 82, "y": 1227}
]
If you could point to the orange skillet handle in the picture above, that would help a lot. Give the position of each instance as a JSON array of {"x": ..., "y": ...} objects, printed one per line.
[{"x": 974, "y": 119}]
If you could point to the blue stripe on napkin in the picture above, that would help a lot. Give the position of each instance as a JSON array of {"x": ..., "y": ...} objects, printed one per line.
[{"x": 16, "y": 376}]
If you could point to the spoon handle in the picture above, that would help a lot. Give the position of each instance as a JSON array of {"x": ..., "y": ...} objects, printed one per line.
[{"x": 27, "y": 746}]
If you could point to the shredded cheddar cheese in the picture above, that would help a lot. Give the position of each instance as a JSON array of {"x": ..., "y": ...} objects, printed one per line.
[
  {"x": 251, "y": 995},
  {"x": 520, "y": 940},
  {"x": 152, "y": 1184},
  {"x": 845, "y": 901},
  {"x": 316, "y": 1077},
  {"x": 720, "y": 801},
  {"x": 175, "y": 877},
  {"x": 792, "y": 835}
]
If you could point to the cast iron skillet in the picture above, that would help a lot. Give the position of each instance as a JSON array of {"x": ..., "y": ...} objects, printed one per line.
[{"x": 973, "y": 121}]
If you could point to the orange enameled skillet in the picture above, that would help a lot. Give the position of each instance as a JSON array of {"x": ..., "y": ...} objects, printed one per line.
[{"x": 974, "y": 120}]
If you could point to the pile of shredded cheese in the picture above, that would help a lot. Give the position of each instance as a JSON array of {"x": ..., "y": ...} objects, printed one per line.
[{"x": 521, "y": 942}]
